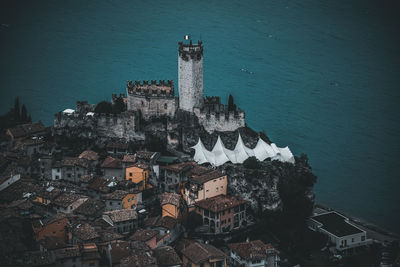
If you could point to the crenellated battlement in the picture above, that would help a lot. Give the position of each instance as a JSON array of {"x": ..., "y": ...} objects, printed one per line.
[
  {"x": 193, "y": 51},
  {"x": 151, "y": 89},
  {"x": 217, "y": 117}
]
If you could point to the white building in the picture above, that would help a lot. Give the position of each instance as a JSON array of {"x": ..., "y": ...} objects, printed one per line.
[{"x": 339, "y": 230}]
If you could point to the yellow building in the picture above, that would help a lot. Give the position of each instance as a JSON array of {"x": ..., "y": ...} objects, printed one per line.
[
  {"x": 139, "y": 175},
  {"x": 171, "y": 205}
]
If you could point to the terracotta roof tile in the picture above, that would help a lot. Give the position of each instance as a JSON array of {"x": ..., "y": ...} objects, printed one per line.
[
  {"x": 253, "y": 250},
  {"x": 116, "y": 195},
  {"x": 180, "y": 167},
  {"x": 89, "y": 155},
  {"x": 112, "y": 163},
  {"x": 220, "y": 203},
  {"x": 166, "y": 256},
  {"x": 121, "y": 215},
  {"x": 199, "y": 252},
  {"x": 139, "y": 259},
  {"x": 90, "y": 207},
  {"x": 170, "y": 198},
  {"x": 164, "y": 222},
  {"x": 85, "y": 232},
  {"x": 67, "y": 199},
  {"x": 208, "y": 176},
  {"x": 143, "y": 235}
]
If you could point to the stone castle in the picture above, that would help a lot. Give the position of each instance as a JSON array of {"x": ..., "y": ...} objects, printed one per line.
[{"x": 152, "y": 100}]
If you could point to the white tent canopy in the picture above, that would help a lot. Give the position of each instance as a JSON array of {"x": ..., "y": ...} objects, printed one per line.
[{"x": 220, "y": 154}]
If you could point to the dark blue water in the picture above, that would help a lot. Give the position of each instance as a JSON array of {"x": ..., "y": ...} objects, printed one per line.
[{"x": 323, "y": 76}]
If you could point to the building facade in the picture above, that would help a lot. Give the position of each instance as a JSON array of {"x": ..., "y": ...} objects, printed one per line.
[{"x": 222, "y": 213}]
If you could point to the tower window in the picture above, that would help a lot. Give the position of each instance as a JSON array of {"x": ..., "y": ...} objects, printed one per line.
[
  {"x": 142, "y": 103},
  {"x": 165, "y": 106}
]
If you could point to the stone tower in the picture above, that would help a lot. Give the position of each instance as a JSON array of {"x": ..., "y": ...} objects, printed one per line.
[{"x": 190, "y": 75}]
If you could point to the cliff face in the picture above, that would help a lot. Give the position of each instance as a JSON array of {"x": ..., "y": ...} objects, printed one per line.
[{"x": 269, "y": 185}]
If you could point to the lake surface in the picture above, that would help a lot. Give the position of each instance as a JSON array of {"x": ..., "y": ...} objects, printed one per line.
[{"x": 319, "y": 76}]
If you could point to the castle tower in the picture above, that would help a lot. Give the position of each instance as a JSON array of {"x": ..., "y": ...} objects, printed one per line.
[{"x": 190, "y": 75}]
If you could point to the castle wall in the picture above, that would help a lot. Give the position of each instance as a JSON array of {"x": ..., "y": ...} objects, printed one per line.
[
  {"x": 190, "y": 76},
  {"x": 220, "y": 122},
  {"x": 152, "y": 99},
  {"x": 152, "y": 106},
  {"x": 97, "y": 126}
]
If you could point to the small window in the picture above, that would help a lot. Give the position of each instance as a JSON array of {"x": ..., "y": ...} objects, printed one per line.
[
  {"x": 142, "y": 103},
  {"x": 216, "y": 189},
  {"x": 165, "y": 106},
  {"x": 110, "y": 203},
  {"x": 130, "y": 174}
]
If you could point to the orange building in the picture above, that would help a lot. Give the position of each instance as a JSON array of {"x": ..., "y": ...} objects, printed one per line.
[
  {"x": 171, "y": 205},
  {"x": 139, "y": 175}
]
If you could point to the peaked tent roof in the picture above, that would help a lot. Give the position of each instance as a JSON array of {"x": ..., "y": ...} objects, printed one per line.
[{"x": 220, "y": 154}]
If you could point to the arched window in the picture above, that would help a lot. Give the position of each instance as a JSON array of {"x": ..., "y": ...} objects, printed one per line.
[{"x": 165, "y": 106}]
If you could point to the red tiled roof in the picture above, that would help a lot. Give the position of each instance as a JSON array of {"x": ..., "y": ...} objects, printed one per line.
[
  {"x": 199, "y": 252},
  {"x": 170, "y": 198},
  {"x": 179, "y": 167},
  {"x": 116, "y": 195},
  {"x": 143, "y": 235},
  {"x": 166, "y": 256},
  {"x": 100, "y": 184},
  {"x": 220, "y": 203},
  {"x": 121, "y": 215},
  {"x": 253, "y": 250},
  {"x": 85, "y": 232},
  {"x": 89, "y": 155},
  {"x": 208, "y": 176},
  {"x": 164, "y": 222},
  {"x": 112, "y": 163}
]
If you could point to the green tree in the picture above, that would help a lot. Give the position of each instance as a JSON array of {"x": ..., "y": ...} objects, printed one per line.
[
  {"x": 104, "y": 107},
  {"x": 231, "y": 104},
  {"x": 252, "y": 163},
  {"x": 119, "y": 105},
  {"x": 17, "y": 115},
  {"x": 24, "y": 113}
]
